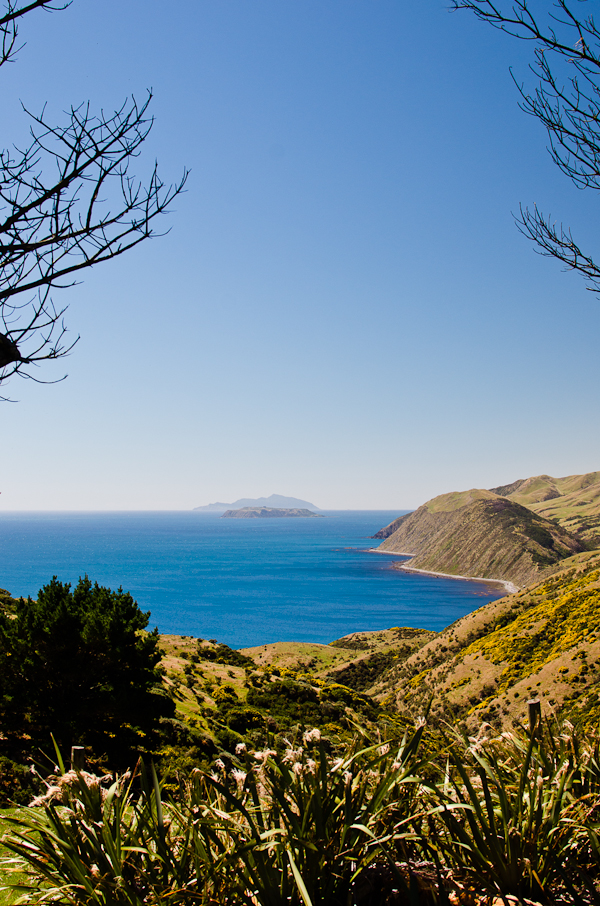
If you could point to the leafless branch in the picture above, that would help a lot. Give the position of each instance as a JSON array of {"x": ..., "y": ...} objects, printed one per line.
[
  {"x": 9, "y": 24},
  {"x": 567, "y": 103},
  {"x": 68, "y": 201}
]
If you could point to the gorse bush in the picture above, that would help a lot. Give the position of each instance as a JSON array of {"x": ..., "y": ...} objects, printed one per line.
[
  {"x": 223, "y": 654},
  {"x": 298, "y": 700},
  {"x": 516, "y": 815}
]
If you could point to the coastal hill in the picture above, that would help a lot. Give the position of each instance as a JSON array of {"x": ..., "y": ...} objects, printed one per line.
[
  {"x": 481, "y": 534},
  {"x": 543, "y": 642},
  {"x": 275, "y": 500},
  {"x": 388, "y": 530},
  {"x": 268, "y": 512},
  {"x": 573, "y": 502}
]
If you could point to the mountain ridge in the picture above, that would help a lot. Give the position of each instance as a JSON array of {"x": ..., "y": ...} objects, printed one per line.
[
  {"x": 275, "y": 500},
  {"x": 573, "y": 502}
]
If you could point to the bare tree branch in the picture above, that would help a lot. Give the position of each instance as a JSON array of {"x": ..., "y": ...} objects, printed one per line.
[
  {"x": 68, "y": 201},
  {"x": 9, "y": 24},
  {"x": 567, "y": 103}
]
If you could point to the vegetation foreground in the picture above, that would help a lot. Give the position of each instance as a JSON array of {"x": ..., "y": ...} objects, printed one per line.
[
  {"x": 387, "y": 767},
  {"x": 500, "y": 819}
]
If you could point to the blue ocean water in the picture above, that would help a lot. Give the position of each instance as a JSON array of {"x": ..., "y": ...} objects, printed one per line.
[{"x": 242, "y": 581}]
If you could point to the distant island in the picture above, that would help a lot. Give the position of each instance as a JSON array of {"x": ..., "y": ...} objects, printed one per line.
[
  {"x": 275, "y": 500},
  {"x": 268, "y": 512}
]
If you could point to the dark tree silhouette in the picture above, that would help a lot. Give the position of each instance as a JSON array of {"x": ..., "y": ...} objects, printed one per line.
[
  {"x": 68, "y": 201},
  {"x": 80, "y": 663},
  {"x": 566, "y": 101}
]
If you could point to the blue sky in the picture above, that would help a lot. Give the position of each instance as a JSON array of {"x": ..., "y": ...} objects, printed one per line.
[{"x": 343, "y": 309}]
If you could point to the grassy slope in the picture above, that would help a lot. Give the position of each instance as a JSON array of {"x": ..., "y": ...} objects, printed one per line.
[
  {"x": 356, "y": 661},
  {"x": 478, "y": 533},
  {"x": 543, "y": 642},
  {"x": 193, "y": 690},
  {"x": 321, "y": 660},
  {"x": 574, "y": 501},
  {"x": 8, "y": 871}
]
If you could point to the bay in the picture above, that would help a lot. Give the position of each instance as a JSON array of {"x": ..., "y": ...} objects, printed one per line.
[{"x": 242, "y": 581}]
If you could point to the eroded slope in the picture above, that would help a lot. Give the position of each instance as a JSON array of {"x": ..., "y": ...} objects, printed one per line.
[{"x": 479, "y": 533}]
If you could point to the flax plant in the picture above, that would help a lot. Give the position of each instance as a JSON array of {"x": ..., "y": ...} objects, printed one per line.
[
  {"x": 295, "y": 827},
  {"x": 299, "y": 826},
  {"x": 103, "y": 846},
  {"x": 511, "y": 813}
]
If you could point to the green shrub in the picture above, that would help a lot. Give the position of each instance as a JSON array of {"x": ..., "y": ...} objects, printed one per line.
[
  {"x": 296, "y": 827},
  {"x": 352, "y": 644},
  {"x": 286, "y": 700},
  {"x": 336, "y": 692},
  {"x": 513, "y": 816},
  {"x": 223, "y": 654},
  {"x": 225, "y": 696},
  {"x": 361, "y": 674},
  {"x": 17, "y": 783},
  {"x": 513, "y": 811},
  {"x": 243, "y": 719}
]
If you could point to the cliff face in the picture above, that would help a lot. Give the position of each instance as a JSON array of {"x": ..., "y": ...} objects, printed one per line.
[
  {"x": 479, "y": 533},
  {"x": 388, "y": 530}
]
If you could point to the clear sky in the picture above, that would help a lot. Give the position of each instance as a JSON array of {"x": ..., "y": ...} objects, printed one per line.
[{"x": 343, "y": 310}]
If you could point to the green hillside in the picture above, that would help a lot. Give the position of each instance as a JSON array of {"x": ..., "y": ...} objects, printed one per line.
[
  {"x": 479, "y": 533},
  {"x": 334, "y": 734},
  {"x": 228, "y": 697},
  {"x": 573, "y": 502},
  {"x": 543, "y": 642}
]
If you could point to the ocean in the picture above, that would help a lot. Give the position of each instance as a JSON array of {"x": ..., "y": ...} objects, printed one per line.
[{"x": 244, "y": 582}]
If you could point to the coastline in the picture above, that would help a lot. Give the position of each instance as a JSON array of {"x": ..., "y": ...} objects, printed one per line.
[
  {"x": 510, "y": 587},
  {"x": 375, "y": 550}
]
